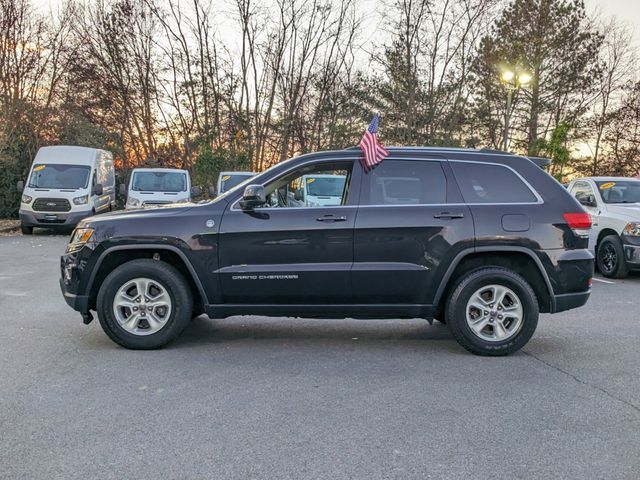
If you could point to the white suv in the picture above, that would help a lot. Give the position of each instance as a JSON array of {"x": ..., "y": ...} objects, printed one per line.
[{"x": 614, "y": 205}]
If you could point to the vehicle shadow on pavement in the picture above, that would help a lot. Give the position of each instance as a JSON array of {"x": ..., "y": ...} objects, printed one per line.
[{"x": 203, "y": 330}]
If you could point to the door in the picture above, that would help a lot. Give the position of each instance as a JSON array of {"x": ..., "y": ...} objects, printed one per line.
[
  {"x": 292, "y": 250},
  {"x": 410, "y": 226}
]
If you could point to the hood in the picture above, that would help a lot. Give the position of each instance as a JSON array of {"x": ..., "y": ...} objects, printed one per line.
[
  {"x": 133, "y": 215},
  {"x": 630, "y": 211}
]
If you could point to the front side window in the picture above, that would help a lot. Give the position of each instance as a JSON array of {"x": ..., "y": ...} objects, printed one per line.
[
  {"x": 625, "y": 191},
  {"x": 490, "y": 183},
  {"x": 159, "y": 182},
  {"x": 582, "y": 191},
  {"x": 317, "y": 185},
  {"x": 405, "y": 182},
  {"x": 59, "y": 176}
]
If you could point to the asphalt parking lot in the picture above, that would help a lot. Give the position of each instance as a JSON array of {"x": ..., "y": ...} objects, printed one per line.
[{"x": 251, "y": 397}]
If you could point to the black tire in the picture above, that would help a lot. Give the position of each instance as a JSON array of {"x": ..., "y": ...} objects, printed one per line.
[
  {"x": 469, "y": 284},
  {"x": 26, "y": 230},
  {"x": 610, "y": 258},
  {"x": 175, "y": 285}
]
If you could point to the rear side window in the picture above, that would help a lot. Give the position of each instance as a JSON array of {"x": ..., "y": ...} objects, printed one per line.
[
  {"x": 487, "y": 183},
  {"x": 405, "y": 182}
]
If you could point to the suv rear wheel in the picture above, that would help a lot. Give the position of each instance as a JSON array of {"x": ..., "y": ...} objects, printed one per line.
[
  {"x": 610, "y": 257},
  {"x": 492, "y": 311},
  {"x": 144, "y": 304}
]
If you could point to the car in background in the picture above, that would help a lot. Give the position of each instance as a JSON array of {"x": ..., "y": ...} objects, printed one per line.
[
  {"x": 614, "y": 206},
  {"x": 158, "y": 186},
  {"x": 229, "y": 180},
  {"x": 65, "y": 185},
  {"x": 321, "y": 190}
]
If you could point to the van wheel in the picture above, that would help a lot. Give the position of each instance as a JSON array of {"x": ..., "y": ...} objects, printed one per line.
[
  {"x": 492, "y": 311},
  {"x": 144, "y": 304},
  {"x": 26, "y": 230},
  {"x": 610, "y": 258}
]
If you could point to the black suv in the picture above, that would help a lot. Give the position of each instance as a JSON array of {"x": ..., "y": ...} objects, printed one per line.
[{"x": 480, "y": 240}]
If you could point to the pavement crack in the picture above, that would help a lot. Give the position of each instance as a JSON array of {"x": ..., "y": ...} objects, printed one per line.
[{"x": 583, "y": 382}]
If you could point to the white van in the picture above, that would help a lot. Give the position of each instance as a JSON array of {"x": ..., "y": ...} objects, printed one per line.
[
  {"x": 321, "y": 190},
  {"x": 228, "y": 180},
  {"x": 158, "y": 186},
  {"x": 65, "y": 185}
]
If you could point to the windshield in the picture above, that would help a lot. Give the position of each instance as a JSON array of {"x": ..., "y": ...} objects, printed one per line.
[
  {"x": 232, "y": 180},
  {"x": 159, "y": 182},
  {"x": 59, "y": 176},
  {"x": 326, "y": 186},
  {"x": 625, "y": 191}
]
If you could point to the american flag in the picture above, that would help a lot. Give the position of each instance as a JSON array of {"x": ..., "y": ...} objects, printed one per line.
[{"x": 373, "y": 151}]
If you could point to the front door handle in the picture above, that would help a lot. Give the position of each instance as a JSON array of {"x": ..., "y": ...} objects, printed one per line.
[
  {"x": 331, "y": 218},
  {"x": 448, "y": 215}
]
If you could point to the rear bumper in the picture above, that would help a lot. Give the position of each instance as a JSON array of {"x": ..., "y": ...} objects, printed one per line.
[
  {"x": 568, "y": 301},
  {"x": 52, "y": 219}
]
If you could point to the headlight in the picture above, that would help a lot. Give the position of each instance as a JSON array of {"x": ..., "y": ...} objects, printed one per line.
[
  {"x": 632, "y": 229},
  {"x": 26, "y": 199},
  {"x": 133, "y": 202},
  {"x": 81, "y": 200},
  {"x": 79, "y": 238}
]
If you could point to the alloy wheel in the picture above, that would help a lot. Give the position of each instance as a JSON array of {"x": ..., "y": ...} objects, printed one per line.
[
  {"x": 142, "y": 306},
  {"x": 494, "y": 313}
]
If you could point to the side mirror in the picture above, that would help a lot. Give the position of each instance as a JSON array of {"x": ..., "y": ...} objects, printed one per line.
[
  {"x": 587, "y": 201},
  {"x": 195, "y": 191},
  {"x": 123, "y": 189},
  {"x": 253, "y": 197},
  {"x": 212, "y": 191},
  {"x": 20, "y": 186},
  {"x": 97, "y": 189},
  {"x": 298, "y": 195}
]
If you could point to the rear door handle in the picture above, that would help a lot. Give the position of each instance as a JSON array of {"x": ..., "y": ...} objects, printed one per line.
[
  {"x": 331, "y": 218},
  {"x": 448, "y": 215}
]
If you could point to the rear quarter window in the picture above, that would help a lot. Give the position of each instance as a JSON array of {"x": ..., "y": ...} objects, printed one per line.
[{"x": 490, "y": 183}]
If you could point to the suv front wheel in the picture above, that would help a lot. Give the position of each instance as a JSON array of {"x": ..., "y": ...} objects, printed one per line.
[
  {"x": 144, "y": 304},
  {"x": 492, "y": 311}
]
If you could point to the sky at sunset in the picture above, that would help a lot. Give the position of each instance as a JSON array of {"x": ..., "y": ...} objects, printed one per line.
[{"x": 626, "y": 10}]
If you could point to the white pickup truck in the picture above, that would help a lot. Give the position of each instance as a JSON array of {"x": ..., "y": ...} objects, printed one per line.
[{"x": 614, "y": 206}]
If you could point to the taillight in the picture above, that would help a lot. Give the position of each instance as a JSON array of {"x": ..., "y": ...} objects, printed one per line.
[{"x": 580, "y": 223}]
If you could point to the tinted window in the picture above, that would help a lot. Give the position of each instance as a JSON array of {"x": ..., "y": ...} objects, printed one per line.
[
  {"x": 400, "y": 182},
  {"x": 485, "y": 183}
]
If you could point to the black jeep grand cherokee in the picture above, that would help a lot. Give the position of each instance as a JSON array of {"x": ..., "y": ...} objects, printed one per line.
[{"x": 481, "y": 240}]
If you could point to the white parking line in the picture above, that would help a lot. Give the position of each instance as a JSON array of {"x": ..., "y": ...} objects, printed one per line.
[{"x": 603, "y": 281}]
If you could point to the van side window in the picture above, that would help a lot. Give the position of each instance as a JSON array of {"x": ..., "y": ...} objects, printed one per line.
[
  {"x": 405, "y": 182},
  {"x": 490, "y": 183}
]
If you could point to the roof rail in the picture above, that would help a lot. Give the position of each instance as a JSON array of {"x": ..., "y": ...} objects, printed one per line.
[
  {"x": 493, "y": 150},
  {"x": 540, "y": 161}
]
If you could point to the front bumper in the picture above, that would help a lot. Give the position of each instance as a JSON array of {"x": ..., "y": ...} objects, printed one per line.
[
  {"x": 80, "y": 303},
  {"x": 632, "y": 255},
  {"x": 52, "y": 219}
]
